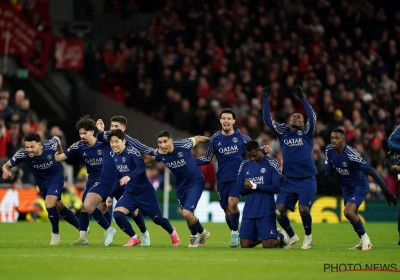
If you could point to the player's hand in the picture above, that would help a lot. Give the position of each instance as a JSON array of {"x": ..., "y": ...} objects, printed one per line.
[
  {"x": 100, "y": 125},
  {"x": 267, "y": 149},
  {"x": 266, "y": 92},
  {"x": 248, "y": 184},
  {"x": 124, "y": 180},
  {"x": 299, "y": 91},
  {"x": 390, "y": 198},
  {"x": 109, "y": 201},
  {"x": 6, "y": 174}
]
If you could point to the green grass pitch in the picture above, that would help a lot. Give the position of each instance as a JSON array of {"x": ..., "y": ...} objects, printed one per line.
[{"x": 25, "y": 254}]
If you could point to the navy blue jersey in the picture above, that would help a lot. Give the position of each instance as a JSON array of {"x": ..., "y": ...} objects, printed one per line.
[
  {"x": 296, "y": 146},
  {"x": 267, "y": 176},
  {"x": 43, "y": 167},
  {"x": 130, "y": 163},
  {"x": 182, "y": 164},
  {"x": 91, "y": 155},
  {"x": 230, "y": 152},
  {"x": 130, "y": 142},
  {"x": 349, "y": 166}
]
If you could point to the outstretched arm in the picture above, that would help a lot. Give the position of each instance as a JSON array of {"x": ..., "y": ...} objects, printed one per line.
[
  {"x": 199, "y": 139},
  {"x": 207, "y": 158},
  {"x": 6, "y": 170}
]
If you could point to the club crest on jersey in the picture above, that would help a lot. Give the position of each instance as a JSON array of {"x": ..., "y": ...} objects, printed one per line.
[
  {"x": 123, "y": 159},
  {"x": 99, "y": 152},
  {"x": 263, "y": 170},
  {"x": 344, "y": 164},
  {"x": 235, "y": 140},
  {"x": 299, "y": 132},
  {"x": 49, "y": 157},
  {"x": 180, "y": 154}
]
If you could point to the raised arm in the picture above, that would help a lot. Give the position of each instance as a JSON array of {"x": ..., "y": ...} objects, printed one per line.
[
  {"x": 309, "y": 128},
  {"x": 132, "y": 142},
  {"x": 199, "y": 139},
  {"x": 277, "y": 128},
  {"x": 59, "y": 145}
]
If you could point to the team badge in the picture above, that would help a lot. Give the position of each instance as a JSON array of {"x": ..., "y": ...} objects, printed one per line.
[
  {"x": 344, "y": 164},
  {"x": 263, "y": 170},
  {"x": 123, "y": 159},
  {"x": 180, "y": 154},
  {"x": 99, "y": 152},
  {"x": 299, "y": 132},
  {"x": 49, "y": 157},
  {"x": 234, "y": 140}
]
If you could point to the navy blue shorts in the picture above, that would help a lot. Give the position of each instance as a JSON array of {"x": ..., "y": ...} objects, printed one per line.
[
  {"x": 258, "y": 228},
  {"x": 226, "y": 190},
  {"x": 101, "y": 188},
  {"x": 356, "y": 196},
  {"x": 188, "y": 198},
  {"x": 54, "y": 186},
  {"x": 146, "y": 201},
  {"x": 301, "y": 190}
]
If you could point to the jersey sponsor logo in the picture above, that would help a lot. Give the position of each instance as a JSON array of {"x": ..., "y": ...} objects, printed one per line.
[
  {"x": 342, "y": 171},
  {"x": 176, "y": 163},
  {"x": 235, "y": 140},
  {"x": 228, "y": 150},
  {"x": 123, "y": 168},
  {"x": 293, "y": 142},
  {"x": 344, "y": 164},
  {"x": 258, "y": 180},
  {"x": 180, "y": 154},
  {"x": 99, "y": 152},
  {"x": 94, "y": 161},
  {"x": 43, "y": 165},
  {"x": 263, "y": 170}
]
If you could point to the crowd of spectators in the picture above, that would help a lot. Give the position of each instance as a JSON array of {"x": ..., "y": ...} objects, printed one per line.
[{"x": 197, "y": 57}]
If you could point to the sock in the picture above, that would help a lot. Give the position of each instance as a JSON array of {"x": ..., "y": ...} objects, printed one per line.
[
  {"x": 99, "y": 218},
  {"x": 83, "y": 221},
  {"x": 82, "y": 234},
  {"x": 234, "y": 221},
  {"x": 200, "y": 228},
  {"x": 146, "y": 233},
  {"x": 285, "y": 224},
  {"x": 123, "y": 223},
  {"x": 70, "y": 217},
  {"x": 228, "y": 221},
  {"x": 281, "y": 237},
  {"x": 307, "y": 221},
  {"x": 54, "y": 218},
  {"x": 108, "y": 217},
  {"x": 139, "y": 220},
  {"x": 165, "y": 224},
  {"x": 359, "y": 228},
  {"x": 193, "y": 228}
]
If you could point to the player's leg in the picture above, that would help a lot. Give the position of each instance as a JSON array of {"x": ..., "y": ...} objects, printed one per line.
[
  {"x": 234, "y": 214},
  {"x": 223, "y": 195},
  {"x": 269, "y": 235},
  {"x": 307, "y": 190},
  {"x": 249, "y": 237},
  {"x": 125, "y": 205},
  {"x": 284, "y": 202},
  {"x": 138, "y": 218},
  {"x": 193, "y": 195},
  {"x": 352, "y": 201},
  {"x": 54, "y": 218},
  {"x": 67, "y": 214},
  {"x": 148, "y": 204}
]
